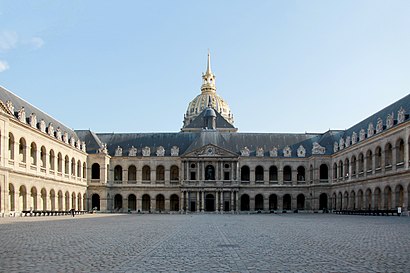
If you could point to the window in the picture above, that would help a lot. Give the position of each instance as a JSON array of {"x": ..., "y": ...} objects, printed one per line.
[
  {"x": 174, "y": 173},
  {"x": 259, "y": 173},
  {"x": 146, "y": 173},
  {"x": 160, "y": 173},
  {"x": 132, "y": 173},
  {"x": 245, "y": 173},
  {"x": 287, "y": 173},
  {"x": 117, "y": 173},
  {"x": 95, "y": 171},
  {"x": 33, "y": 153},
  {"x": 273, "y": 173},
  {"x": 301, "y": 173}
]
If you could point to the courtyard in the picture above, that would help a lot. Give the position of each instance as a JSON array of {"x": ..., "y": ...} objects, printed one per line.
[{"x": 205, "y": 242}]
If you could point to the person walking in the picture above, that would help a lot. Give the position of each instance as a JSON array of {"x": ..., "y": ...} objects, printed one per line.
[{"x": 72, "y": 212}]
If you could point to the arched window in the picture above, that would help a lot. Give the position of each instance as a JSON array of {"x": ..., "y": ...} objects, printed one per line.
[
  {"x": 259, "y": 202},
  {"x": 160, "y": 203},
  {"x": 95, "y": 171},
  {"x": 259, "y": 173},
  {"x": 378, "y": 157},
  {"x": 323, "y": 172},
  {"x": 132, "y": 173},
  {"x": 388, "y": 155},
  {"x": 43, "y": 156},
  {"x": 287, "y": 173},
  {"x": 209, "y": 172},
  {"x": 33, "y": 153},
  {"x": 341, "y": 169},
  {"x": 334, "y": 171},
  {"x": 301, "y": 173},
  {"x": 160, "y": 173},
  {"x": 73, "y": 166},
  {"x": 52, "y": 159},
  {"x": 347, "y": 166},
  {"x": 400, "y": 152},
  {"x": 67, "y": 165},
  {"x": 245, "y": 173},
  {"x": 78, "y": 168},
  {"x": 287, "y": 202},
  {"x": 22, "y": 150},
  {"x": 60, "y": 162},
  {"x": 84, "y": 170},
  {"x": 300, "y": 202},
  {"x": 273, "y": 173},
  {"x": 369, "y": 161},
  {"x": 353, "y": 163},
  {"x": 174, "y": 173},
  {"x": 118, "y": 173},
  {"x": 146, "y": 202},
  {"x": 146, "y": 173},
  {"x": 11, "y": 146},
  {"x": 361, "y": 163}
]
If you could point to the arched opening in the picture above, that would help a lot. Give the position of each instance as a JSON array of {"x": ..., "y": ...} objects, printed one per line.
[
  {"x": 53, "y": 200},
  {"x": 79, "y": 202},
  {"x": 44, "y": 199},
  {"x": 43, "y": 157},
  {"x": 323, "y": 201},
  {"x": 340, "y": 201},
  {"x": 259, "y": 177},
  {"x": 146, "y": 203},
  {"x": 174, "y": 202},
  {"x": 78, "y": 168},
  {"x": 334, "y": 171},
  {"x": 399, "y": 196},
  {"x": 287, "y": 174},
  {"x": 368, "y": 199},
  {"x": 301, "y": 174},
  {"x": 52, "y": 160},
  {"x": 33, "y": 153},
  {"x": 323, "y": 173},
  {"x": 273, "y": 202},
  {"x": 345, "y": 200},
  {"x": 73, "y": 201},
  {"x": 377, "y": 199},
  {"x": 95, "y": 171},
  {"x": 118, "y": 173},
  {"x": 273, "y": 173},
  {"x": 160, "y": 173},
  {"x": 388, "y": 155},
  {"x": 60, "y": 201},
  {"x": 259, "y": 202},
  {"x": 84, "y": 170},
  {"x": 334, "y": 201},
  {"x": 117, "y": 202},
  {"x": 67, "y": 165},
  {"x": 174, "y": 173},
  {"x": 67, "y": 200},
  {"x": 23, "y": 197},
  {"x": 341, "y": 172},
  {"x": 85, "y": 206},
  {"x": 353, "y": 163},
  {"x": 352, "y": 200},
  {"x": 160, "y": 203},
  {"x": 95, "y": 202},
  {"x": 369, "y": 161},
  {"x": 346, "y": 169},
  {"x": 73, "y": 166},
  {"x": 209, "y": 172},
  {"x": 132, "y": 173},
  {"x": 33, "y": 193},
  {"x": 378, "y": 158},
  {"x": 59, "y": 162},
  {"x": 300, "y": 202},
  {"x": 22, "y": 150},
  {"x": 245, "y": 202},
  {"x": 209, "y": 202},
  {"x": 11, "y": 197},
  {"x": 361, "y": 163},
  {"x": 400, "y": 152},
  {"x": 11, "y": 146},
  {"x": 146, "y": 173},
  {"x": 287, "y": 202},
  {"x": 245, "y": 173},
  {"x": 387, "y": 198},
  {"x": 360, "y": 200},
  {"x": 132, "y": 202}
]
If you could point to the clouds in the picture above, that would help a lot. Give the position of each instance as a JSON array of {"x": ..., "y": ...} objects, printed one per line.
[
  {"x": 10, "y": 40},
  {"x": 3, "y": 66}
]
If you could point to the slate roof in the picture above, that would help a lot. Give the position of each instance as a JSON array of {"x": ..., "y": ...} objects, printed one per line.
[
  {"x": 198, "y": 122},
  {"x": 6, "y": 95}
]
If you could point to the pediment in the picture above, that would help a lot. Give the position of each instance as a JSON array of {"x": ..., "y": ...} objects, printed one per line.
[
  {"x": 4, "y": 109},
  {"x": 211, "y": 150}
]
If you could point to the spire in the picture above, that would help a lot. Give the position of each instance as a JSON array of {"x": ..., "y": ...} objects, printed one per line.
[{"x": 208, "y": 78}]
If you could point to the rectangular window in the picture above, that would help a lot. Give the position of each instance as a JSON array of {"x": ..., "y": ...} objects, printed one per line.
[
  {"x": 226, "y": 176},
  {"x": 193, "y": 176}
]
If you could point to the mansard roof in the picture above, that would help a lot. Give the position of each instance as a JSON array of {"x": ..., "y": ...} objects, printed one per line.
[
  {"x": 18, "y": 103},
  {"x": 198, "y": 123}
]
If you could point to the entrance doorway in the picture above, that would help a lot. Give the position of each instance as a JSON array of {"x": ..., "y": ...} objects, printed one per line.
[
  {"x": 226, "y": 206},
  {"x": 209, "y": 202}
]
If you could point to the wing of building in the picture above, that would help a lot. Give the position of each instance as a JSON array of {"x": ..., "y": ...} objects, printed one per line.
[{"x": 207, "y": 166}]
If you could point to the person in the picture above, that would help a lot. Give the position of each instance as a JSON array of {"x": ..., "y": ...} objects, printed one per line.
[{"x": 72, "y": 212}]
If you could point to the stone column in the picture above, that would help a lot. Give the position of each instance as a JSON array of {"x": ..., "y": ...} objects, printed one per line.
[
  {"x": 394, "y": 157},
  {"x": 197, "y": 202},
  {"x": 221, "y": 201},
  {"x": 280, "y": 202},
  {"x": 406, "y": 153},
  {"x": 252, "y": 176},
  {"x": 232, "y": 202},
  {"x": 187, "y": 201},
  {"x": 252, "y": 203},
  {"x": 167, "y": 205},
  {"x": 266, "y": 203},
  {"x": 202, "y": 201},
  {"x": 153, "y": 205},
  {"x": 216, "y": 201},
  {"x": 124, "y": 204}
]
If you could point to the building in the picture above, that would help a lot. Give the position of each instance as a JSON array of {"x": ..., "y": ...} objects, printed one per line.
[{"x": 207, "y": 166}]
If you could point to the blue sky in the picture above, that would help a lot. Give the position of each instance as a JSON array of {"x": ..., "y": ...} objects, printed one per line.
[{"x": 133, "y": 66}]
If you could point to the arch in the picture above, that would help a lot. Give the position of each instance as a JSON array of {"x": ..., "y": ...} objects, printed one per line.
[
  {"x": 323, "y": 172},
  {"x": 160, "y": 203},
  {"x": 84, "y": 170},
  {"x": 53, "y": 199},
  {"x": 377, "y": 198},
  {"x": 160, "y": 173},
  {"x": 340, "y": 201},
  {"x": 43, "y": 157},
  {"x": 399, "y": 196},
  {"x": 361, "y": 163},
  {"x": 60, "y": 200},
  {"x": 360, "y": 199},
  {"x": 59, "y": 162},
  {"x": 323, "y": 201},
  {"x": 67, "y": 165},
  {"x": 33, "y": 193},
  {"x": 287, "y": 202},
  {"x": 341, "y": 172},
  {"x": 369, "y": 160},
  {"x": 95, "y": 202},
  {"x": 311, "y": 173},
  {"x": 388, "y": 155},
  {"x": 301, "y": 175},
  {"x": 43, "y": 196},
  {"x": 346, "y": 168},
  {"x": 245, "y": 202},
  {"x": 378, "y": 157},
  {"x": 259, "y": 202},
  {"x": 146, "y": 173},
  {"x": 52, "y": 159},
  {"x": 11, "y": 146},
  {"x": 79, "y": 202},
  {"x": 79, "y": 168},
  {"x": 73, "y": 201},
  {"x": 33, "y": 153},
  {"x": 352, "y": 203},
  {"x": 146, "y": 203},
  {"x": 12, "y": 203},
  {"x": 132, "y": 173},
  {"x": 345, "y": 200},
  {"x": 67, "y": 200},
  {"x": 118, "y": 173},
  {"x": 117, "y": 202},
  {"x": 245, "y": 173},
  {"x": 174, "y": 202},
  {"x": 85, "y": 205},
  {"x": 273, "y": 173},
  {"x": 209, "y": 172},
  {"x": 209, "y": 202},
  {"x": 259, "y": 173},
  {"x": 95, "y": 171},
  {"x": 368, "y": 199},
  {"x": 400, "y": 151},
  {"x": 23, "y": 197},
  {"x": 273, "y": 202},
  {"x": 73, "y": 166},
  {"x": 22, "y": 150},
  {"x": 287, "y": 173},
  {"x": 174, "y": 173},
  {"x": 132, "y": 202},
  {"x": 334, "y": 201},
  {"x": 300, "y": 202},
  {"x": 335, "y": 170},
  {"x": 353, "y": 164}
]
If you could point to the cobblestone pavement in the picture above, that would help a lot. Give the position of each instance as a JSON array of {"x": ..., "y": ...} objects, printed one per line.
[{"x": 229, "y": 243}]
